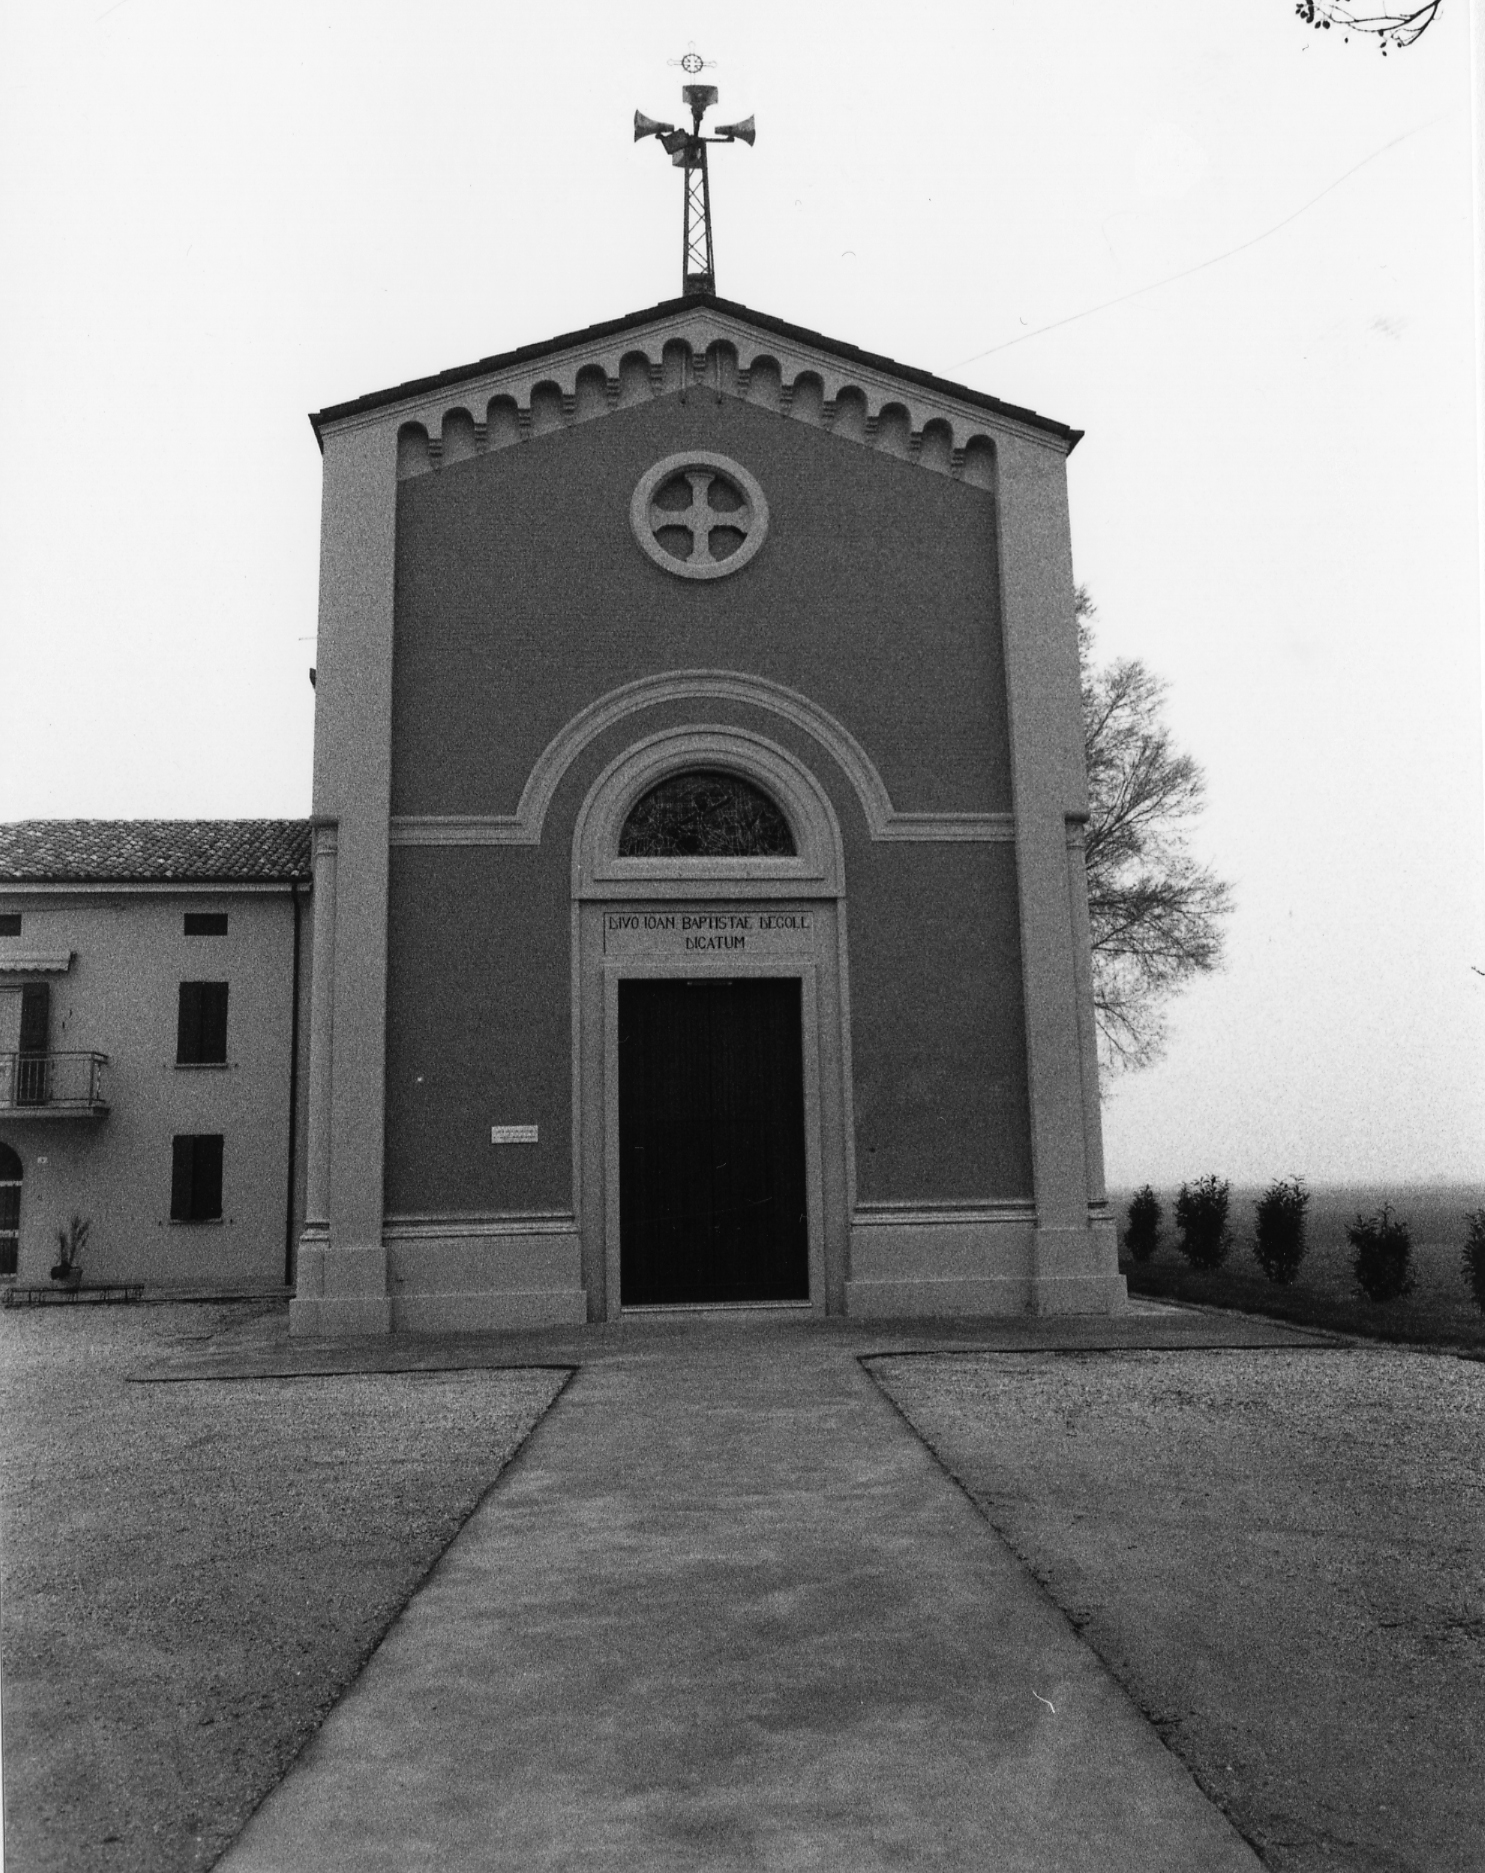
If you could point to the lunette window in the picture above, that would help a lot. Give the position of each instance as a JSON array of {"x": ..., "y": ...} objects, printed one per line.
[{"x": 702, "y": 814}]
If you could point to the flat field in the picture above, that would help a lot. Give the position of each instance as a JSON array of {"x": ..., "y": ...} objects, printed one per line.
[
  {"x": 1439, "y": 1311},
  {"x": 193, "y": 1572},
  {"x": 1280, "y": 1555}
]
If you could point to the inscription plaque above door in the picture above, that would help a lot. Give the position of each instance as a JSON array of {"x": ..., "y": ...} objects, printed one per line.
[{"x": 709, "y": 933}]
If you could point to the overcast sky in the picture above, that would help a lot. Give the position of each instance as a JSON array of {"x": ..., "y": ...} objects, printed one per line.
[{"x": 1237, "y": 252}]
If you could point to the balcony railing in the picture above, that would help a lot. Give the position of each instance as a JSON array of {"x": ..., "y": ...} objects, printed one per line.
[{"x": 52, "y": 1085}]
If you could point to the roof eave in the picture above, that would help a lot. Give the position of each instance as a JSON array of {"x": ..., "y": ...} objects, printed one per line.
[
  {"x": 60, "y": 880},
  {"x": 417, "y": 387}
]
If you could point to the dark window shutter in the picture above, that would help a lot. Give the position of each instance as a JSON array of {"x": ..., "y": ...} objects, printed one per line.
[
  {"x": 214, "y": 1022},
  {"x": 182, "y": 1164},
  {"x": 196, "y": 1177},
  {"x": 206, "y": 923},
  {"x": 201, "y": 1028},
  {"x": 188, "y": 1024},
  {"x": 208, "y": 1181},
  {"x": 36, "y": 1016},
  {"x": 10, "y": 1210}
]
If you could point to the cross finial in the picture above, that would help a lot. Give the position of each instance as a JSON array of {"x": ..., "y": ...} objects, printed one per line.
[{"x": 691, "y": 61}]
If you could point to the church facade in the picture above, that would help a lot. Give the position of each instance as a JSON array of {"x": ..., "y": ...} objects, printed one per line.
[{"x": 699, "y": 904}]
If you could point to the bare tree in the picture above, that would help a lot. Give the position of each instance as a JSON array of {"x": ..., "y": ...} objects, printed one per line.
[
  {"x": 1155, "y": 912},
  {"x": 1391, "y": 29}
]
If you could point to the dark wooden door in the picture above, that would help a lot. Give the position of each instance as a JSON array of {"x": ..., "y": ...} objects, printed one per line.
[{"x": 711, "y": 1142}]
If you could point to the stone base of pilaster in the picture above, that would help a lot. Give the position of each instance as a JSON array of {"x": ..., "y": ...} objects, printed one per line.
[
  {"x": 1075, "y": 1270},
  {"x": 342, "y": 1290},
  {"x": 989, "y": 1261}
]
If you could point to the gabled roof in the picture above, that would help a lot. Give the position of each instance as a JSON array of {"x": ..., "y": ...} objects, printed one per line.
[
  {"x": 633, "y": 321},
  {"x": 154, "y": 851}
]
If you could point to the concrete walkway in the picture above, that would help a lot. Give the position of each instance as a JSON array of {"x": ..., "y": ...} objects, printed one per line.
[{"x": 726, "y": 1611}]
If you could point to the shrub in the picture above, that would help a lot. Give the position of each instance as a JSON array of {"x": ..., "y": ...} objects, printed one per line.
[
  {"x": 1143, "y": 1233},
  {"x": 1474, "y": 1255},
  {"x": 1384, "y": 1249},
  {"x": 1279, "y": 1245},
  {"x": 1201, "y": 1217}
]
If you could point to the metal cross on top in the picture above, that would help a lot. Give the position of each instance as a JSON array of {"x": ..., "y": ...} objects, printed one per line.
[{"x": 687, "y": 150}]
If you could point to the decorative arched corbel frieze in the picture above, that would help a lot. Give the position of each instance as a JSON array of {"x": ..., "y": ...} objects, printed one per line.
[
  {"x": 459, "y": 441},
  {"x": 524, "y": 826},
  {"x": 414, "y": 455},
  {"x": 503, "y": 426},
  {"x": 869, "y": 408}
]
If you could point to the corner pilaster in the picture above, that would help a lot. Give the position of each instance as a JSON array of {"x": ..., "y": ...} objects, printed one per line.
[
  {"x": 343, "y": 1260},
  {"x": 1074, "y": 1261}
]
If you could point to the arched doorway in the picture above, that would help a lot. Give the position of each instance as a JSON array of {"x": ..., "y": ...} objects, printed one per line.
[
  {"x": 10, "y": 1212},
  {"x": 712, "y": 1192},
  {"x": 711, "y": 1071}
]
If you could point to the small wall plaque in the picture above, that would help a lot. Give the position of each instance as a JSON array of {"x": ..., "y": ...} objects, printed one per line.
[{"x": 513, "y": 1135}]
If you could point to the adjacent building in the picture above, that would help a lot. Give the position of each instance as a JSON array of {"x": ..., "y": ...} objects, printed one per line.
[{"x": 154, "y": 980}]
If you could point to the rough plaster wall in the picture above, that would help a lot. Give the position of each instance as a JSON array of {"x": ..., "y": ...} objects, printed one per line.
[
  {"x": 939, "y": 1046},
  {"x": 479, "y": 1029},
  {"x": 522, "y": 596}
]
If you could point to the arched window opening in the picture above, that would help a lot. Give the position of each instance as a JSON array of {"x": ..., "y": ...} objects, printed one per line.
[
  {"x": 705, "y": 814},
  {"x": 10, "y": 1211}
]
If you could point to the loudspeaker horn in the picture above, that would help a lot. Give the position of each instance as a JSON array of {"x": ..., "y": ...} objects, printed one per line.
[
  {"x": 647, "y": 127},
  {"x": 744, "y": 132}
]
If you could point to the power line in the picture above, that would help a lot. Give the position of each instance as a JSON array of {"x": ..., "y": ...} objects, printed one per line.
[{"x": 1202, "y": 265}]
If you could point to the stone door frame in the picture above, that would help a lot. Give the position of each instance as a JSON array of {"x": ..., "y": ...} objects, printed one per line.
[{"x": 808, "y": 885}]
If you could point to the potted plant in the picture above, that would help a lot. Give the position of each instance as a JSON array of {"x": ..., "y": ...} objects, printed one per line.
[{"x": 72, "y": 1239}]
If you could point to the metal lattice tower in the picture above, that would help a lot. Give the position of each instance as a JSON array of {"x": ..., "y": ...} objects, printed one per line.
[
  {"x": 698, "y": 269},
  {"x": 687, "y": 151}
]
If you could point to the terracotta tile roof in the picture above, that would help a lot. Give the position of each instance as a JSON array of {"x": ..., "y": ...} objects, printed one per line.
[{"x": 47, "y": 851}]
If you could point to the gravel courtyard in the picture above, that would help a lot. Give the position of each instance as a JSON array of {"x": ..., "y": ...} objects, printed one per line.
[
  {"x": 192, "y": 1573},
  {"x": 1280, "y": 1554}
]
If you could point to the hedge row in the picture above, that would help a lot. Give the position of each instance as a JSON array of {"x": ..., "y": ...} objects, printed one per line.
[{"x": 1381, "y": 1244}]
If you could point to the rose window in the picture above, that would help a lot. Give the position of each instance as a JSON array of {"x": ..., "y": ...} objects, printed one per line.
[{"x": 699, "y": 516}]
